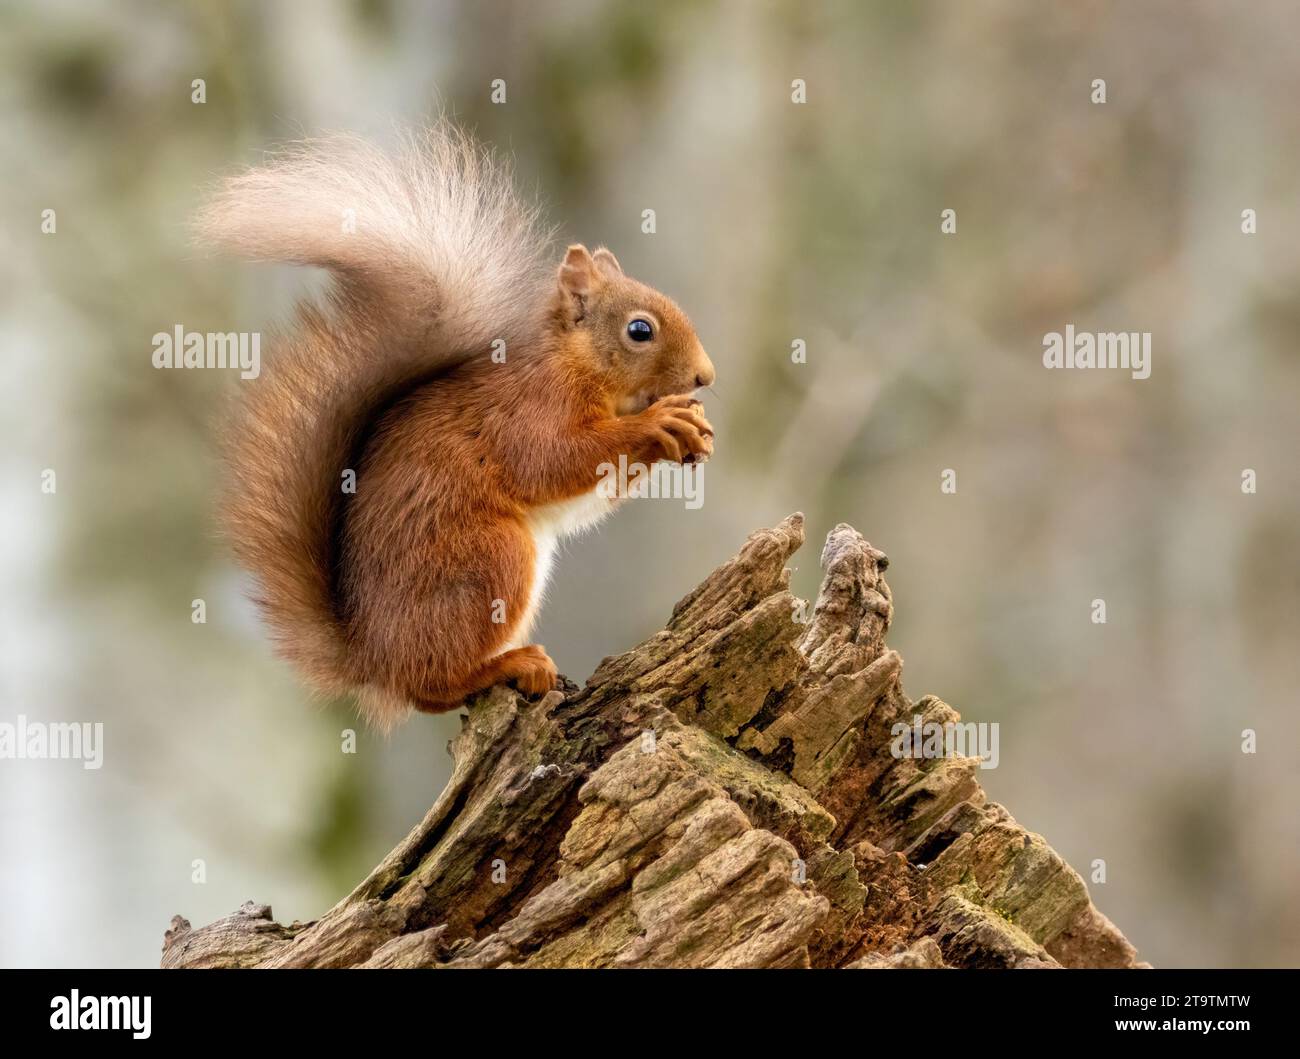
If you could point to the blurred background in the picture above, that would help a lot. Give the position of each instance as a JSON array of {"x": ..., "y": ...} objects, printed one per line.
[{"x": 775, "y": 222}]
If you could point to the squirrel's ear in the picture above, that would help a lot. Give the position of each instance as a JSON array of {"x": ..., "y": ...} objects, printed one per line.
[
  {"x": 607, "y": 262},
  {"x": 577, "y": 271},
  {"x": 578, "y": 277}
]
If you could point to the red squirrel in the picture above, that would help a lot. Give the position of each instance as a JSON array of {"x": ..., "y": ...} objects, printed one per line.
[{"x": 394, "y": 487}]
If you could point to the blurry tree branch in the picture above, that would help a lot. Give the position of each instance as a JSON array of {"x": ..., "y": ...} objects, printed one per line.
[{"x": 723, "y": 794}]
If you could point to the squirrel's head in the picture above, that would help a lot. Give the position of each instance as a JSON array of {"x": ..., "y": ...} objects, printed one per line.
[{"x": 647, "y": 346}]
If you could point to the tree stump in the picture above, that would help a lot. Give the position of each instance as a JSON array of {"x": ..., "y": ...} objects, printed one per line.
[{"x": 726, "y": 794}]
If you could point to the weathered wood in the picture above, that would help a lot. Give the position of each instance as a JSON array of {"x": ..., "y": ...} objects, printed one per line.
[{"x": 722, "y": 795}]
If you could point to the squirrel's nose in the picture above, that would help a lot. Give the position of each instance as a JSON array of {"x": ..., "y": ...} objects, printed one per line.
[{"x": 705, "y": 375}]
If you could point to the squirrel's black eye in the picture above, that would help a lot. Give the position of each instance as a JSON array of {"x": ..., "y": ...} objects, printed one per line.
[{"x": 640, "y": 331}]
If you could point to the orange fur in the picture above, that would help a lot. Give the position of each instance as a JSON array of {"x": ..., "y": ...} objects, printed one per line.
[{"x": 393, "y": 591}]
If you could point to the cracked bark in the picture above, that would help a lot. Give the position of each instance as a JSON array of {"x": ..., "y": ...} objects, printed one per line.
[{"x": 722, "y": 795}]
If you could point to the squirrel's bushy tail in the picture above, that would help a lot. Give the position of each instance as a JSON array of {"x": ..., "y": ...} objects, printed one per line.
[{"x": 434, "y": 256}]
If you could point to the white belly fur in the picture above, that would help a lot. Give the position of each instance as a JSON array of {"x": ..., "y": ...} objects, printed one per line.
[{"x": 549, "y": 525}]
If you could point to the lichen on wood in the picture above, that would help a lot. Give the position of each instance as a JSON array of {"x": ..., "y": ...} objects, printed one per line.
[{"x": 725, "y": 794}]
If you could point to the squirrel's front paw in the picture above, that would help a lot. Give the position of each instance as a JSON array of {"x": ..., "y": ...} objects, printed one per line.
[
  {"x": 532, "y": 671},
  {"x": 678, "y": 431}
]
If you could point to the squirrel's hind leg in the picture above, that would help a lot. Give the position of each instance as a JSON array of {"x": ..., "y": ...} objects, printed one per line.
[{"x": 529, "y": 669}]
